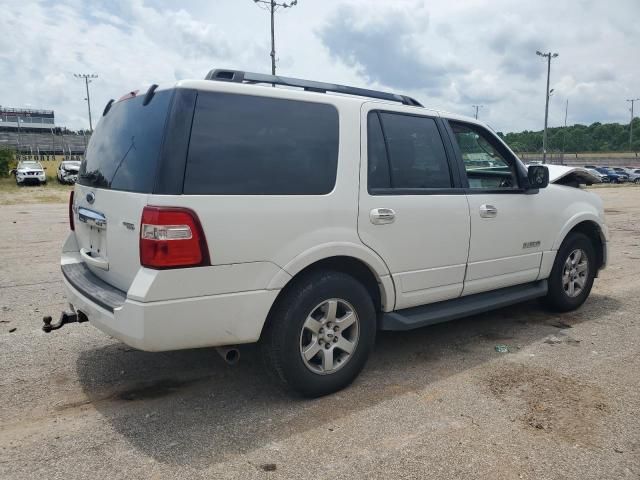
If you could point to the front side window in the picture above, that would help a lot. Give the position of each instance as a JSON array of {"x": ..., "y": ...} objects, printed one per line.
[
  {"x": 251, "y": 145},
  {"x": 485, "y": 165},
  {"x": 406, "y": 153}
]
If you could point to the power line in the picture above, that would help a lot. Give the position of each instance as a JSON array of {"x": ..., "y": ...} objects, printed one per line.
[
  {"x": 87, "y": 80},
  {"x": 273, "y": 6},
  {"x": 548, "y": 56},
  {"x": 477, "y": 107},
  {"x": 631, "y": 101}
]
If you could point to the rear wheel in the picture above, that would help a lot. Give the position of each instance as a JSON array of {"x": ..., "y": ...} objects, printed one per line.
[
  {"x": 573, "y": 273},
  {"x": 320, "y": 333}
]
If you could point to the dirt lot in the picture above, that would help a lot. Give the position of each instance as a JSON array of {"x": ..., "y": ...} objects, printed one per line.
[{"x": 434, "y": 403}]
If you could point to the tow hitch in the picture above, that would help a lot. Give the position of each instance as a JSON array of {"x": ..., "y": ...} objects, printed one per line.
[{"x": 65, "y": 317}]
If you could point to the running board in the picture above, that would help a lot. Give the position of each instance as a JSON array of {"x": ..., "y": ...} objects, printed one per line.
[{"x": 416, "y": 317}]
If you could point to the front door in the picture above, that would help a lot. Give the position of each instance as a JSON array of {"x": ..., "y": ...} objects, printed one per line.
[
  {"x": 506, "y": 244},
  {"x": 413, "y": 211}
]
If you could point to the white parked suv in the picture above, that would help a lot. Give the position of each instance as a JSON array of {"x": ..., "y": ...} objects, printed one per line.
[
  {"x": 30, "y": 172},
  {"x": 223, "y": 211}
]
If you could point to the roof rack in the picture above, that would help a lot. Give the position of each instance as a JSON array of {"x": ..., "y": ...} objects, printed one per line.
[{"x": 239, "y": 76}]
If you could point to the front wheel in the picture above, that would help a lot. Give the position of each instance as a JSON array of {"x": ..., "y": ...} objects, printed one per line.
[
  {"x": 572, "y": 274},
  {"x": 320, "y": 333}
]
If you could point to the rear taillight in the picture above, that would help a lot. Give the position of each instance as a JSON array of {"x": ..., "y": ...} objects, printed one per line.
[
  {"x": 172, "y": 237},
  {"x": 72, "y": 224}
]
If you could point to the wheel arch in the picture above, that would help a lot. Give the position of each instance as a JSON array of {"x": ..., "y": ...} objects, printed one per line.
[
  {"x": 368, "y": 269},
  {"x": 592, "y": 228}
]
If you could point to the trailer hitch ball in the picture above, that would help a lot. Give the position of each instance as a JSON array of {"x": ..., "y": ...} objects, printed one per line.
[{"x": 65, "y": 317}]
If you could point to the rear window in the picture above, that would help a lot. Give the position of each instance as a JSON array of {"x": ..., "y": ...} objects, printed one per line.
[
  {"x": 124, "y": 150},
  {"x": 250, "y": 145}
]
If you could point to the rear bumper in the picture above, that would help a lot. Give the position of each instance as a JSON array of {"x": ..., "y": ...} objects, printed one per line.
[{"x": 204, "y": 321}]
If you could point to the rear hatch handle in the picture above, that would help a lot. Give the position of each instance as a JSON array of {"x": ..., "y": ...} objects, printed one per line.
[{"x": 89, "y": 259}]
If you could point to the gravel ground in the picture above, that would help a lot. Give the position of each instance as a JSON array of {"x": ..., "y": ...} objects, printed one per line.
[{"x": 434, "y": 403}]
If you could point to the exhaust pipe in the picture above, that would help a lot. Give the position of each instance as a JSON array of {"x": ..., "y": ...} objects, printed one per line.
[{"x": 231, "y": 355}]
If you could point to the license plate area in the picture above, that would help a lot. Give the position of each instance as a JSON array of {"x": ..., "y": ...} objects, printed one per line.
[{"x": 95, "y": 224}]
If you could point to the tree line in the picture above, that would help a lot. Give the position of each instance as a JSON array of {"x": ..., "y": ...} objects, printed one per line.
[{"x": 597, "y": 137}]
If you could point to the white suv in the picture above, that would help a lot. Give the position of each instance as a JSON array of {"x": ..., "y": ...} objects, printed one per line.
[
  {"x": 224, "y": 211},
  {"x": 30, "y": 172}
]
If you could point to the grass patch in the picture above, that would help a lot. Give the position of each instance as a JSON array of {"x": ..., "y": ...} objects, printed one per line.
[{"x": 52, "y": 192}]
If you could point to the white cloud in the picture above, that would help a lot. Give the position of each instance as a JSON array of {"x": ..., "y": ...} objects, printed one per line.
[{"x": 449, "y": 55}]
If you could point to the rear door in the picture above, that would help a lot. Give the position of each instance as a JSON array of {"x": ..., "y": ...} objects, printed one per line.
[
  {"x": 412, "y": 211},
  {"x": 507, "y": 225},
  {"x": 113, "y": 185}
]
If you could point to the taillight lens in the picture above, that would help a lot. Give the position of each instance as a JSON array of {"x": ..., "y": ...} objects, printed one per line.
[
  {"x": 72, "y": 224},
  {"x": 172, "y": 237}
]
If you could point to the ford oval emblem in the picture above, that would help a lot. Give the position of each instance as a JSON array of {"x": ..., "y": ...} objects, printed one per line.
[{"x": 91, "y": 197}]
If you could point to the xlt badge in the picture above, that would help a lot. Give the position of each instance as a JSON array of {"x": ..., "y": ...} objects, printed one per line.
[{"x": 531, "y": 244}]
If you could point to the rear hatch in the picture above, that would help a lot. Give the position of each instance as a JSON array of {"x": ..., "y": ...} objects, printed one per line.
[{"x": 113, "y": 185}]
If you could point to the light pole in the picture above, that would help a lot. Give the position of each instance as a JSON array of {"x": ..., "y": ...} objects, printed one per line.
[
  {"x": 548, "y": 56},
  {"x": 87, "y": 80},
  {"x": 477, "y": 107},
  {"x": 272, "y": 7},
  {"x": 631, "y": 101}
]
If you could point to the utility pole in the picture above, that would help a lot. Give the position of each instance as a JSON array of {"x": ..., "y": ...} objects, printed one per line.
[
  {"x": 272, "y": 6},
  {"x": 87, "y": 81},
  {"x": 548, "y": 56},
  {"x": 631, "y": 101},
  {"x": 477, "y": 107}
]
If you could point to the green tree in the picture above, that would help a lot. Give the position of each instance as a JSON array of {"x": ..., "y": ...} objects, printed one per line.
[
  {"x": 7, "y": 158},
  {"x": 597, "y": 137}
]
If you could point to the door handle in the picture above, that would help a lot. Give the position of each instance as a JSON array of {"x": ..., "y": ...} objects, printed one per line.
[
  {"x": 381, "y": 216},
  {"x": 488, "y": 211}
]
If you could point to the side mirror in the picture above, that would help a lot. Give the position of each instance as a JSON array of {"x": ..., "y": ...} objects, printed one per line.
[
  {"x": 538, "y": 176},
  {"x": 13, "y": 171}
]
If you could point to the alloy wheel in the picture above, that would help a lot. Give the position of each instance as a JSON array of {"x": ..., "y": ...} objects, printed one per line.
[{"x": 329, "y": 336}]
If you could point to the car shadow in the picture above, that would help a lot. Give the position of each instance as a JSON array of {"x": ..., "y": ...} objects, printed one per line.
[{"x": 189, "y": 407}]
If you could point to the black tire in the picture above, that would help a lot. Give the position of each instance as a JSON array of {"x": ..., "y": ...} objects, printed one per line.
[
  {"x": 281, "y": 341},
  {"x": 558, "y": 298}
]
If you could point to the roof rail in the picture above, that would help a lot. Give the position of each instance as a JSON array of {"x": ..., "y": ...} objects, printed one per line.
[{"x": 239, "y": 76}]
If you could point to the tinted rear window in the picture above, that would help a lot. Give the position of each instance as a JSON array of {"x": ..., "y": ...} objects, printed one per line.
[
  {"x": 249, "y": 145},
  {"x": 124, "y": 150}
]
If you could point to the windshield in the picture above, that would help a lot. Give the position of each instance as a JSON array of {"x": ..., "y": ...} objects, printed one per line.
[
  {"x": 29, "y": 165},
  {"x": 124, "y": 150}
]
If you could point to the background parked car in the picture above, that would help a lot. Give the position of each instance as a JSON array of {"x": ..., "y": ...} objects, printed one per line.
[
  {"x": 629, "y": 172},
  {"x": 622, "y": 173},
  {"x": 603, "y": 177},
  {"x": 30, "y": 172},
  {"x": 68, "y": 171},
  {"x": 614, "y": 177}
]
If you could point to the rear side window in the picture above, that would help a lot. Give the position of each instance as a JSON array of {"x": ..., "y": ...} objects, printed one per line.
[
  {"x": 250, "y": 145},
  {"x": 124, "y": 150},
  {"x": 413, "y": 149}
]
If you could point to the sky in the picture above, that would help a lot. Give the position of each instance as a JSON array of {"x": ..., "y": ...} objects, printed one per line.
[{"x": 450, "y": 55}]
